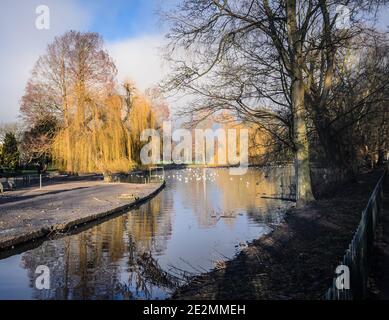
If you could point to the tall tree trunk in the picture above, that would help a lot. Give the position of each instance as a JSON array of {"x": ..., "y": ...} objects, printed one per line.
[{"x": 304, "y": 193}]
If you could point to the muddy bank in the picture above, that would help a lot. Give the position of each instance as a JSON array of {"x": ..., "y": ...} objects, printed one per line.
[
  {"x": 32, "y": 214},
  {"x": 298, "y": 259}
]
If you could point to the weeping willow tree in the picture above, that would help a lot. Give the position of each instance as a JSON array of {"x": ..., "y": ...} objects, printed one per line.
[
  {"x": 142, "y": 117},
  {"x": 107, "y": 140},
  {"x": 110, "y": 140},
  {"x": 103, "y": 145}
]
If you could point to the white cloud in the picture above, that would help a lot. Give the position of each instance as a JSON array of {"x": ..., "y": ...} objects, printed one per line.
[
  {"x": 22, "y": 44},
  {"x": 139, "y": 59}
]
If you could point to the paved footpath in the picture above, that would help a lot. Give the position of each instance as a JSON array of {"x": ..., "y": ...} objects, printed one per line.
[{"x": 33, "y": 213}]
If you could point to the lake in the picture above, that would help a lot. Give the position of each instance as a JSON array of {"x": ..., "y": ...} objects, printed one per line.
[{"x": 202, "y": 218}]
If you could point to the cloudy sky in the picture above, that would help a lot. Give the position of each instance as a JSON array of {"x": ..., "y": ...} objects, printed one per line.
[{"x": 131, "y": 29}]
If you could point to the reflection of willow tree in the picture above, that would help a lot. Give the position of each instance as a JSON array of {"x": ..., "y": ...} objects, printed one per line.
[
  {"x": 149, "y": 225},
  {"x": 94, "y": 263},
  {"x": 82, "y": 266}
]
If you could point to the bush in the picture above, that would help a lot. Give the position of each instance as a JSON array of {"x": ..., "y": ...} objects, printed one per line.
[{"x": 9, "y": 152}]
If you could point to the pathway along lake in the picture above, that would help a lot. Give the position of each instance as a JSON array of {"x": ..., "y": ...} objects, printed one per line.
[{"x": 202, "y": 217}]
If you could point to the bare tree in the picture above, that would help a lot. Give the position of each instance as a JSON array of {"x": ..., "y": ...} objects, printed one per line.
[
  {"x": 74, "y": 69},
  {"x": 265, "y": 61},
  {"x": 355, "y": 115}
]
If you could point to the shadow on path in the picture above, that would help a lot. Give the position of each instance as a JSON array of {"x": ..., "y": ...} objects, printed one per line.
[{"x": 10, "y": 199}]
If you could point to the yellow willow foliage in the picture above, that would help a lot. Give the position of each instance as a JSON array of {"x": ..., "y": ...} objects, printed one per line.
[
  {"x": 142, "y": 117},
  {"x": 258, "y": 142},
  {"x": 101, "y": 144},
  {"x": 258, "y": 138}
]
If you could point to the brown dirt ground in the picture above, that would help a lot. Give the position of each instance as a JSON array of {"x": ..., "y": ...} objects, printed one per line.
[{"x": 298, "y": 259}]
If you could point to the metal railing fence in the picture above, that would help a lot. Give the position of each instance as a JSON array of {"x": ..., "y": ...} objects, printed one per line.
[{"x": 358, "y": 255}]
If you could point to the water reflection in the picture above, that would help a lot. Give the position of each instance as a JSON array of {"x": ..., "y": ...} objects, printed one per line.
[{"x": 201, "y": 217}]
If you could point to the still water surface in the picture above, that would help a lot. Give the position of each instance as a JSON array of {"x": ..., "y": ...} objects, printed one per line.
[{"x": 202, "y": 217}]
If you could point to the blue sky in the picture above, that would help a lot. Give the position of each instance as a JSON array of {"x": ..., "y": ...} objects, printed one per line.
[{"x": 119, "y": 19}]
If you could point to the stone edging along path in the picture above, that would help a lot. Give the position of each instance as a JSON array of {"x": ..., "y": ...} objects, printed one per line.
[{"x": 37, "y": 214}]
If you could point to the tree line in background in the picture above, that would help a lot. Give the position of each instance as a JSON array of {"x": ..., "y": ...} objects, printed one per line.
[{"x": 311, "y": 74}]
